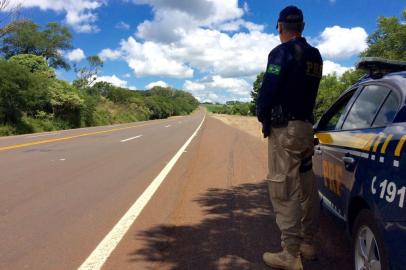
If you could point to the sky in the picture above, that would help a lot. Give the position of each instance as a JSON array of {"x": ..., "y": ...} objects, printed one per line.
[{"x": 211, "y": 48}]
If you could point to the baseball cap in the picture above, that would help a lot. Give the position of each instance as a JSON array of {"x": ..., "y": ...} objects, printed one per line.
[{"x": 290, "y": 14}]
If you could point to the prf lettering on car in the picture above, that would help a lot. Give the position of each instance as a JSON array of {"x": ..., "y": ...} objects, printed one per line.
[
  {"x": 332, "y": 177},
  {"x": 314, "y": 69}
]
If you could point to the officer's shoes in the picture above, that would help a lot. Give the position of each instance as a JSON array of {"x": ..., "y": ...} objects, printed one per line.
[
  {"x": 308, "y": 251},
  {"x": 283, "y": 260}
]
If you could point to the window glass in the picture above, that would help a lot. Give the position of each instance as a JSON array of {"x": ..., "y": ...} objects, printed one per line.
[
  {"x": 387, "y": 112},
  {"x": 333, "y": 122},
  {"x": 335, "y": 118},
  {"x": 365, "y": 107}
]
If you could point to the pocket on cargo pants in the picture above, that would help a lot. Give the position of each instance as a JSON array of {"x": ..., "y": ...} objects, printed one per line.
[{"x": 278, "y": 189}]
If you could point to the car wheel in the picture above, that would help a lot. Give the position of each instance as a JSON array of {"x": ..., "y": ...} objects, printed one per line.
[{"x": 368, "y": 248}]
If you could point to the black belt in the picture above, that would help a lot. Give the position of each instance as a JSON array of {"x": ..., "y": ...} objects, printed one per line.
[{"x": 295, "y": 118}]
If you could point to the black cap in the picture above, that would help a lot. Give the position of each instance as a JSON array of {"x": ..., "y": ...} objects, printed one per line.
[{"x": 290, "y": 14}]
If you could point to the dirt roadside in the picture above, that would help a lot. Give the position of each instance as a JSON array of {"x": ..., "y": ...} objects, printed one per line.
[
  {"x": 213, "y": 211},
  {"x": 247, "y": 124}
]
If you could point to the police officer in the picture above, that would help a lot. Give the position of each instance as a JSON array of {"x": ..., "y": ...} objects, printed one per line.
[{"x": 285, "y": 108}]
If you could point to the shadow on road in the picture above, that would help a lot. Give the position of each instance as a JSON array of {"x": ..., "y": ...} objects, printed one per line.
[{"x": 238, "y": 228}]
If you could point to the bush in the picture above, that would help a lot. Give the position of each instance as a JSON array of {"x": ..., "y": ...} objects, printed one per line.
[
  {"x": 232, "y": 107},
  {"x": 7, "y": 130},
  {"x": 32, "y": 100}
]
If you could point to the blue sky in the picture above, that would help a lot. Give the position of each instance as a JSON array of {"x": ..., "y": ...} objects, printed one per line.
[{"x": 210, "y": 48}]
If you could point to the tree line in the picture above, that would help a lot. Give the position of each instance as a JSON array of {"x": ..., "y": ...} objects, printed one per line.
[
  {"x": 387, "y": 41},
  {"x": 33, "y": 99}
]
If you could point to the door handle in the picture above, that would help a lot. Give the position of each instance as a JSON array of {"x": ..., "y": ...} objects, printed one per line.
[{"x": 348, "y": 160}]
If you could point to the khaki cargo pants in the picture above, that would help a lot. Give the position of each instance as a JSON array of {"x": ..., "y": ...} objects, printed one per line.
[{"x": 292, "y": 186}]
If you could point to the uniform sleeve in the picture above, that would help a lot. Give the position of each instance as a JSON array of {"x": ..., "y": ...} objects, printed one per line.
[{"x": 268, "y": 95}]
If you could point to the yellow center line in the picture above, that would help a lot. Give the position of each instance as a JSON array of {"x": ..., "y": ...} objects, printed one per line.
[{"x": 69, "y": 137}]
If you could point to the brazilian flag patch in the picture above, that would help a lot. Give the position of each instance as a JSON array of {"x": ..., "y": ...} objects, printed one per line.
[{"x": 274, "y": 69}]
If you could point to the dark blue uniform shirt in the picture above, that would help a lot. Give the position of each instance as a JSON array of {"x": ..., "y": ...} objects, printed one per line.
[{"x": 291, "y": 80}]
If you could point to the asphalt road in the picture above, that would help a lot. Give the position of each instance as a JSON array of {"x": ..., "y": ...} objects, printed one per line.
[{"x": 62, "y": 192}]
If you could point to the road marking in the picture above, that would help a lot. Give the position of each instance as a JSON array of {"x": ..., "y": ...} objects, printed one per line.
[
  {"x": 167, "y": 126},
  {"x": 99, "y": 256},
  {"x": 133, "y": 138},
  {"x": 70, "y": 137}
]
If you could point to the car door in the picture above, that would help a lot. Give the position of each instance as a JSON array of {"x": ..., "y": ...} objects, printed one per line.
[
  {"x": 351, "y": 141},
  {"x": 327, "y": 171}
]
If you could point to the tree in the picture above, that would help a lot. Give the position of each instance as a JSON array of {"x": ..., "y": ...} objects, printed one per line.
[
  {"x": 389, "y": 40},
  {"x": 66, "y": 102},
  {"x": 20, "y": 92},
  {"x": 57, "y": 37},
  {"x": 88, "y": 74},
  {"x": 9, "y": 12},
  {"x": 254, "y": 93},
  {"x": 34, "y": 63},
  {"x": 25, "y": 37}
]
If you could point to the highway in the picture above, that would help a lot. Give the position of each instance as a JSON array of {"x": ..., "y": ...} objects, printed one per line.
[{"x": 62, "y": 193}]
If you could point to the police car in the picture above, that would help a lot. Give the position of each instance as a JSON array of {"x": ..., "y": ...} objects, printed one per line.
[{"x": 360, "y": 164}]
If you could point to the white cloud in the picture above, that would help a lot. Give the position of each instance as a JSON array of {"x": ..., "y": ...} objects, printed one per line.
[
  {"x": 340, "y": 43},
  {"x": 236, "y": 25},
  {"x": 246, "y": 7},
  {"x": 76, "y": 55},
  {"x": 204, "y": 11},
  {"x": 185, "y": 38},
  {"x": 108, "y": 54},
  {"x": 330, "y": 68},
  {"x": 219, "y": 89},
  {"x": 242, "y": 54},
  {"x": 80, "y": 14},
  {"x": 158, "y": 83},
  {"x": 114, "y": 80},
  {"x": 193, "y": 86},
  {"x": 150, "y": 59},
  {"x": 176, "y": 18},
  {"x": 122, "y": 25}
]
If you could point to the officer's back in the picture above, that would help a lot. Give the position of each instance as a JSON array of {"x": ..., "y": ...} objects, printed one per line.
[{"x": 291, "y": 80}]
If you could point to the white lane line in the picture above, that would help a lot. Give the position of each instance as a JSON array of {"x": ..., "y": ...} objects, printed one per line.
[
  {"x": 167, "y": 126},
  {"x": 133, "y": 138},
  {"x": 99, "y": 256}
]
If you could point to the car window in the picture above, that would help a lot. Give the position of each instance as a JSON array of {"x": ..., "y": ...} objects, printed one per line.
[
  {"x": 335, "y": 117},
  {"x": 332, "y": 124},
  {"x": 387, "y": 112},
  {"x": 365, "y": 107}
]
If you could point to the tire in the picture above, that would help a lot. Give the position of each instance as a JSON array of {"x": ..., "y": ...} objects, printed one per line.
[{"x": 370, "y": 256}]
